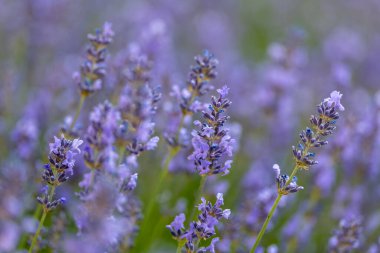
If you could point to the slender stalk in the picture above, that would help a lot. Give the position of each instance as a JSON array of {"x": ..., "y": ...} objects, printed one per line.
[
  {"x": 264, "y": 227},
  {"x": 37, "y": 234},
  {"x": 161, "y": 179},
  {"x": 41, "y": 223},
  {"x": 38, "y": 210},
  {"x": 271, "y": 212},
  {"x": 198, "y": 197},
  {"x": 79, "y": 109},
  {"x": 152, "y": 203}
]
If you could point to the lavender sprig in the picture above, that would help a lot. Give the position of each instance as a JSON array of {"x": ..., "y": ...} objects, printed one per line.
[
  {"x": 198, "y": 84},
  {"x": 93, "y": 69},
  {"x": 211, "y": 142},
  {"x": 57, "y": 171},
  {"x": 346, "y": 238},
  {"x": 137, "y": 103},
  {"x": 323, "y": 125},
  {"x": 201, "y": 229},
  {"x": 100, "y": 138}
]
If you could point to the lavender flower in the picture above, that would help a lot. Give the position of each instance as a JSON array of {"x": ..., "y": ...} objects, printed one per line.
[
  {"x": 137, "y": 104},
  {"x": 93, "y": 68},
  {"x": 203, "y": 228},
  {"x": 100, "y": 137},
  {"x": 57, "y": 171},
  {"x": 25, "y": 136},
  {"x": 60, "y": 167},
  {"x": 211, "y": 142},
  {"x": 346, "y": 238},
  {"x": 198, "y": 82},
  {"x": 282, "y": 187},
  {"x": 322, "y": 125},
  {"x": 177, "y": 226}
]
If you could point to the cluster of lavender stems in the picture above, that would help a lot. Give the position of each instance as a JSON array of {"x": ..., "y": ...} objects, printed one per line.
[
  {"x": 120, "y": 130},
  {"x": 197, "y": 85},
  {"x": 322, "y": 125},
  {"x": 212, "y": 146},
  {"x": 62, "y": 151}
]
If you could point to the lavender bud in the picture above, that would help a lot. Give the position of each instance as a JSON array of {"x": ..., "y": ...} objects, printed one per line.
[{"x": 93, "y": 68}]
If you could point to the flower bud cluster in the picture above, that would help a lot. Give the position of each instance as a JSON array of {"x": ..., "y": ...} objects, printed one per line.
[
  {"x": 93, "y": 69},
  {"x": 211, "y": 142}
]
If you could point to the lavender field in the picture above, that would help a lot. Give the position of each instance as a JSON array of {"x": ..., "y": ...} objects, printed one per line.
[{"x": 157, "y": 126}]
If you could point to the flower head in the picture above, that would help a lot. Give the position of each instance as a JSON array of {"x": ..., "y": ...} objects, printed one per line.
[
  {"x": 284, "y": 186},
  {"x": 211, "y": 142},
  {"x": 347, "y": 237},
  {"x": 93, "y": 69},
  {"x": 60, "y": 167},
  {"x": 334, "y": 100},
  {"x": 322, "y": 125},
  {"x": 177, "y": 226},
  {"x": 209, "y": 217}
]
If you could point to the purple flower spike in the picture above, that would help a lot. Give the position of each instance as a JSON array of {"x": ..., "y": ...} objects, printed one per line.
[
  {"x": 202, "y": 229},
  {"x": 211, "y": 142},
  {"x": 60, "y": 167},
  {"x": 100, "y": 136},
  {"x": 198, "y": 82},
  {"x": 93, "y": 69},
  {"x": 322, "y": 125}
]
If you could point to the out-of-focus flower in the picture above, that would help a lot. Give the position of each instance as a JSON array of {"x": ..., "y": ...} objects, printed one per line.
[
  {"x": 347, "y": 237},
  {"x": 198, "y": 84},
  {"x": 100, "y": 137},
  {"x": 93, "y": 68}
]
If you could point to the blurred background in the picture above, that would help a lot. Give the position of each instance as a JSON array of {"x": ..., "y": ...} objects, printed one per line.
[{"x": 280, "y": 58}]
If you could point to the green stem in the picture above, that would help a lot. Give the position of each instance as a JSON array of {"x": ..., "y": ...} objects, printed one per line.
[
  {"x": 271, "y": 212},
  {"x": 79, "y": 108},
  {"x": 37, "y": 234},
  {"x": 264, "y": 227},
  {"x": 180, "y": 246},
  {"x": 152, "y": 202},
  {"x": 198, "y": 197},
  {"x": 42, "y": 220},
  {"x": 294, "y": 172},
  {"x": 24, "y": 237},
  {"x": 162, "y": 176}
]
